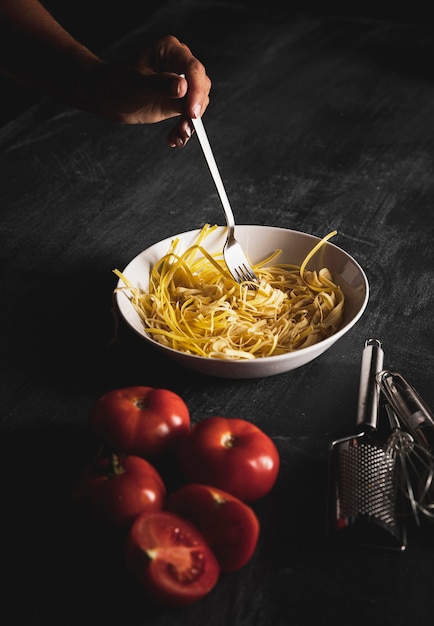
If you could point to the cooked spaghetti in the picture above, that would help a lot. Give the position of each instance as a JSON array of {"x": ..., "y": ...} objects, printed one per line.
[{"x": 193, "y": 305}]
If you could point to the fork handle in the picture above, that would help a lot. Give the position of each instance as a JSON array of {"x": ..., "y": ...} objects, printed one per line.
[{"x": 206, "y": 148}]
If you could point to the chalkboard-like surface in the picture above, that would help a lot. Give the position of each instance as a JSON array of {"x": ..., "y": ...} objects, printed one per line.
[{"x": 317, "y": 122}]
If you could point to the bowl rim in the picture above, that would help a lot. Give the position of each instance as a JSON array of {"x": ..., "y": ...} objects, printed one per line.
[{"x": 121, "y": 300}]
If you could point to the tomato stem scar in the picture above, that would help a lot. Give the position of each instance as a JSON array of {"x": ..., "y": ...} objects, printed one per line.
[{"x": 229, "y": 440}]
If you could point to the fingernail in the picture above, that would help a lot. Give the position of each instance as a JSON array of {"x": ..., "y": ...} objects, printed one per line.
[
  {"x": 178, "y": 85},
  {"x": 196, "y": 110},
  {"x": 188, "y": 130},
  {"x": 179, "y": 142}
]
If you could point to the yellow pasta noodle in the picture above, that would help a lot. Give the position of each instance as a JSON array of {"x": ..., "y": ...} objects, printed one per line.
[{"x": 194, "y": 306}]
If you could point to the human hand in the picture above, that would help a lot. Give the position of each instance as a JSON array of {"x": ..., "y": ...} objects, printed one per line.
[{"x": 150, "y": 88}]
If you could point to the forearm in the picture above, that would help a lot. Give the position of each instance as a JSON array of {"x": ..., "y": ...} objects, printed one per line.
[
  {"x": 37, "y": 51},
  {"x": 146, "y": 89}
]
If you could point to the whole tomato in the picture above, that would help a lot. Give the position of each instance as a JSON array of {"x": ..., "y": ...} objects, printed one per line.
[
  {"x": 168, "y": 556},
  {"x": 231, "y": 454},
  {"x": 116, "y": 488},
  {"x": 141, "y": 421},
  {"x": 229, "y": 525}
]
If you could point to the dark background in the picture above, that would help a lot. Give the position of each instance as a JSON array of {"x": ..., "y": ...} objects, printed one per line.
[
  {"x": 317, "y": 123},
  {"x": 99, "y": 24}
]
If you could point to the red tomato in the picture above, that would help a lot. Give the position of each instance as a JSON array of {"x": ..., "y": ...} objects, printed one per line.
[
  {"x": 142, "y": 421},
  {"x": 229, "y": 525},
  {"x": 231, "y": 454},
  {"x": 170, "y": 558},
  {"x": 115, "y": 489}
]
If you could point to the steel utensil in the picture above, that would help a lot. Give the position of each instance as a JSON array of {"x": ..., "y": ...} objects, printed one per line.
[
  {"x": 236, "y": 260},
  {"x": 411, "y": 410},
  {"x": 362, "y": 487},
  {"x": 414, "y": 449},
  {"x": 412, "y": 464}
]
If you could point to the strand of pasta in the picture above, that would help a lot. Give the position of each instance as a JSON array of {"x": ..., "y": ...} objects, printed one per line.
[{"x": 194, "y": 306}]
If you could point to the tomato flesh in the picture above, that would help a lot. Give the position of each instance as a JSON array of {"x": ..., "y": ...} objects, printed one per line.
[{"x": 170, "y": 558}]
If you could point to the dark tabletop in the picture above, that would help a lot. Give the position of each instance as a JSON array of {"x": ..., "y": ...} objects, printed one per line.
[{"x": 318, "y": 122}]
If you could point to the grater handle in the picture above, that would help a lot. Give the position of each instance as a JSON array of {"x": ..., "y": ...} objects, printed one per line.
[{"x": 369, "y": 393}]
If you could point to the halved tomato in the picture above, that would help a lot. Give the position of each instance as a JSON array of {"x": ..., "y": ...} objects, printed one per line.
[
  {"x": 229, "y": 525},
  {"x": 170, "y": 558}
]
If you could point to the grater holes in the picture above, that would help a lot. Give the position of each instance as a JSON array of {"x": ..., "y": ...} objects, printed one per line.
[{"x": 366, "y": 483}]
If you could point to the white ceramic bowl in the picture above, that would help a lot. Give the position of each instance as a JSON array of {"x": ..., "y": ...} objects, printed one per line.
[{"x": 258, "y": 242}]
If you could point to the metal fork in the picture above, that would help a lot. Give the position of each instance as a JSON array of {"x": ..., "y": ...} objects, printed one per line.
[{"x": 233, "y": 254}]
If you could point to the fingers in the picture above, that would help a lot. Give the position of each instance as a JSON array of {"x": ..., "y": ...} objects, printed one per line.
[
  {"x": 196, "y": 100},
  {"x": 167, "y": 81},
  {"x": 180, "y": 134},
  {"x": 199, "y": 86},
  {"x": 171, "y": 55},
  {"x": 194, "y": 90}
]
